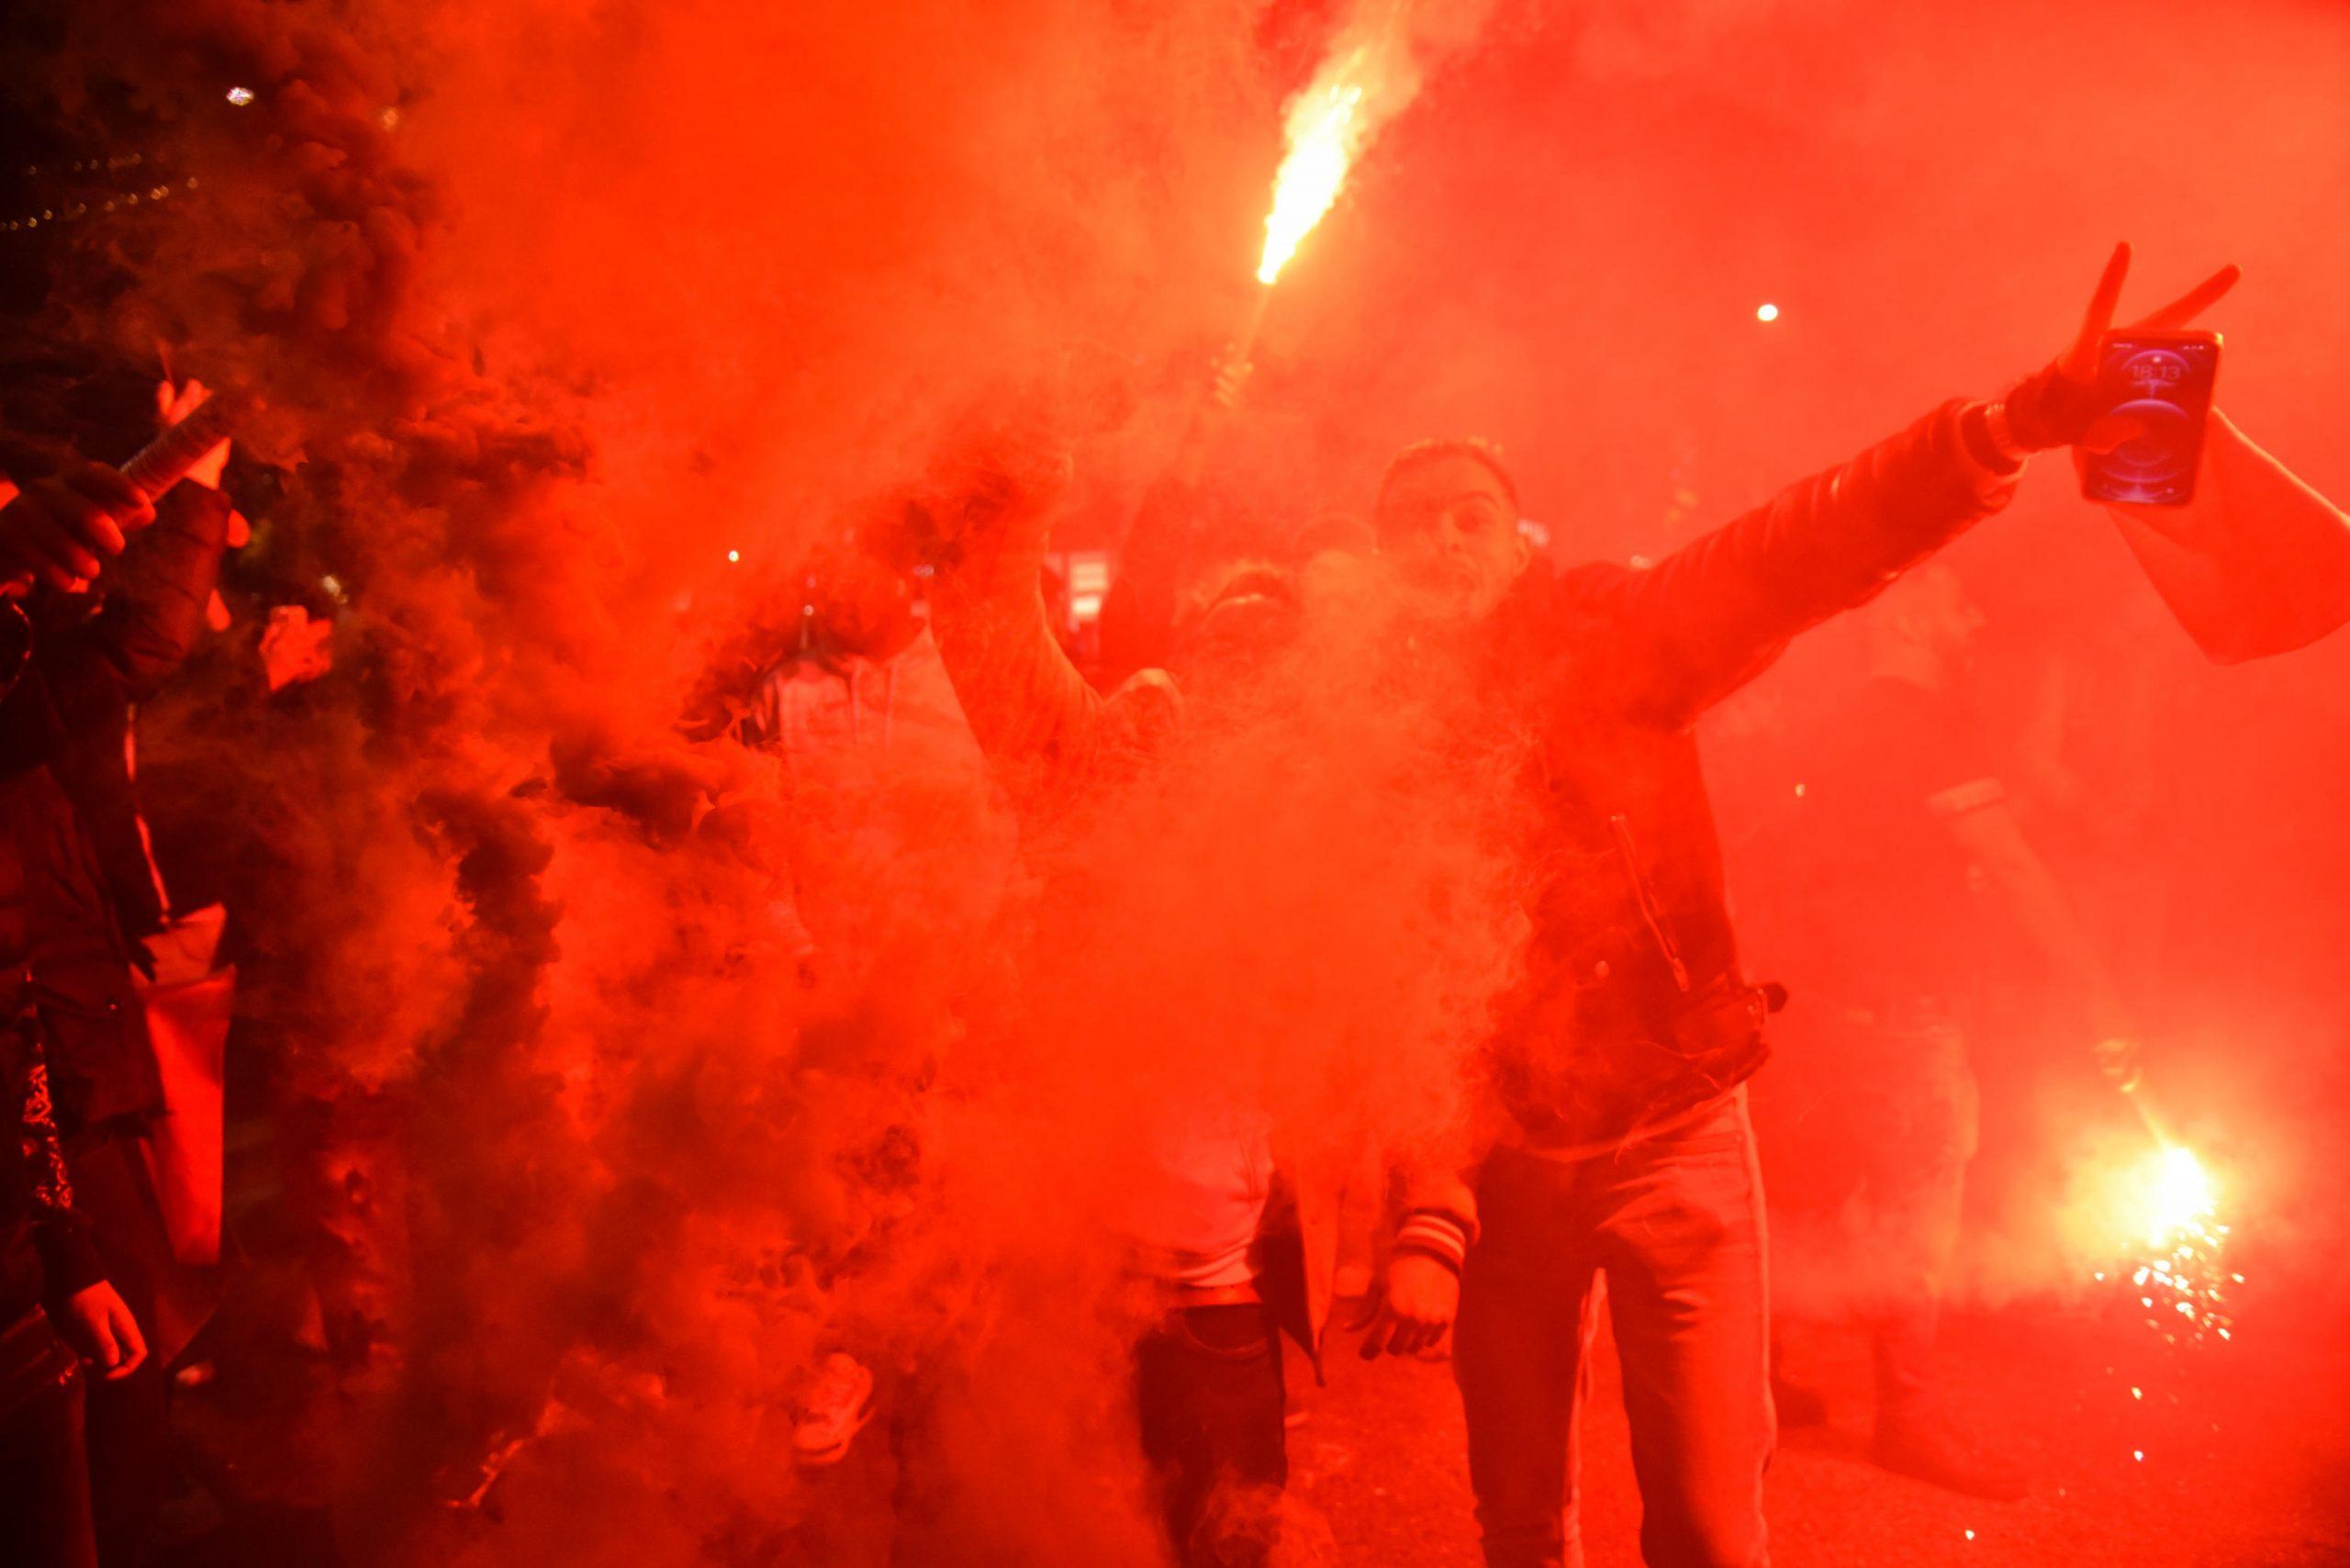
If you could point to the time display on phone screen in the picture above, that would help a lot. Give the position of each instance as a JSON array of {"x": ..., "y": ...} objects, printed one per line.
[{"x": 2162, "y": 386}]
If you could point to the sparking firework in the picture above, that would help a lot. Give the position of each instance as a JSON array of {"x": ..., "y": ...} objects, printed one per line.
[{"x": 2182, "y": 1278}]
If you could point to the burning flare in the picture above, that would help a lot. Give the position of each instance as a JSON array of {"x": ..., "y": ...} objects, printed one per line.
[
  {"x": 2182, "y": 1282},
  {"x": 1325, "y": 133},
  {"x": 1378, "y": 58},
  {"x": 2179, "y": 1196}
]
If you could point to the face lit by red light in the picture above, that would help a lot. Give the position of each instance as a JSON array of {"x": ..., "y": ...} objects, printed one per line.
[{"x": 1449, "y": 523}]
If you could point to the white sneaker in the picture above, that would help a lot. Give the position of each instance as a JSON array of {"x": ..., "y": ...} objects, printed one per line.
[{"x": 835, "y": 1407}]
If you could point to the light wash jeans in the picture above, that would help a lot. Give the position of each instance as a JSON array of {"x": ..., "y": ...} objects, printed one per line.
[{"x": 1675, "y": 1223}]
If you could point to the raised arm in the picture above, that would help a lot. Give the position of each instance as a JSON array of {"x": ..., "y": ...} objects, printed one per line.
[
  {"x": 1714, "y": 614},
  {"x": 1711, "y": 616},
  {"x": 1047, "y": 732},
  {"x": 164, "y": 583}
]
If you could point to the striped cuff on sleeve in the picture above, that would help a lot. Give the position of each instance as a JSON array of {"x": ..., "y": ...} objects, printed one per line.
[{"x": 1434, "y": 1233}]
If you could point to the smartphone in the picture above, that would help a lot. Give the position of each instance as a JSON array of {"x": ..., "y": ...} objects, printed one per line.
[{"x": 2162, "y": 381}]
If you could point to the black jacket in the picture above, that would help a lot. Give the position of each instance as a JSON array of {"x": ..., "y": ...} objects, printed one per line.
[
  {"x": 77, "y": 897},
  {"x": 1634, "y": 1008}
]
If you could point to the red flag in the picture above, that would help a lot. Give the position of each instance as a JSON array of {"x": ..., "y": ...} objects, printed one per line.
[{"x": 2256, "y": 564}]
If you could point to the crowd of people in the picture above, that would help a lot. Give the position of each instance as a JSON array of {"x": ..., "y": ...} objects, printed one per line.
[{"x": 1602, "y": 1128}]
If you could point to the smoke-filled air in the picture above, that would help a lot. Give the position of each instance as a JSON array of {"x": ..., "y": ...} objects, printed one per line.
[{"x": 914, "y": 751}]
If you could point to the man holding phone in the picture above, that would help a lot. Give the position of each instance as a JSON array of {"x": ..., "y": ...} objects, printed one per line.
[{"x": 1625, "y": 1144}]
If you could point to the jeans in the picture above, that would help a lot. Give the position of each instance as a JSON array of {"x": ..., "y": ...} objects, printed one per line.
[
  {"x": 1675, "y": 1222},
  {"x": 1208, "y": 1382}
]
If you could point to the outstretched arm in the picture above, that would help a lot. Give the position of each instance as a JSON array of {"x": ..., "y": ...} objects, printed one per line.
[
  {"x": 2256, "y": 564},
  {"x": 1714, "y": 614},
  {"x": 1711, "y": 616}
]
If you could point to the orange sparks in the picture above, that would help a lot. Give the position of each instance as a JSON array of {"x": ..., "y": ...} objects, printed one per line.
[{"x": 2181, "y": 1283}]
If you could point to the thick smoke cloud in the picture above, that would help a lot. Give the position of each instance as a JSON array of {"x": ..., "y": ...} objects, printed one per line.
[
  {"x": 558, "y": 304},
  {"x": 557, "y": 311}
]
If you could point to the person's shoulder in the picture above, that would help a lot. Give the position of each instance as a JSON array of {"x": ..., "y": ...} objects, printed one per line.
[
  {"x": 1545, "y": 600},
  {"x": 1593, "y": 582}
]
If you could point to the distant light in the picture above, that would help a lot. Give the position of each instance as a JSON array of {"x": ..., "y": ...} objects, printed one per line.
[
  {"x": 241, "y": 96},
  {"x": 1798, "y": 789},
  {"x": 332, "y": 584},
  {"x": 2138, "y": 1454},
  {"x": 735, "y": 555},
  {"x": 1970, "y": 1535},
  {"x": 1766, "y": 312}
]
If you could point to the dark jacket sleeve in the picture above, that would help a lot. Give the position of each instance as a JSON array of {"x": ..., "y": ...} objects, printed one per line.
[
  {"x": 69, "y": 1256},
  {"x": 84, "y": 672},
  {"x": 155, "y": 607},
  {"x": 1683, "y": 634}
]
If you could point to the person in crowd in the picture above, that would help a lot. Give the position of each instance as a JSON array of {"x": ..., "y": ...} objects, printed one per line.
[
  {"x": 1626, "y": 1148},
  {"x": 110, "y": 619},
  {"x": 1184, "y": 528},
  {"x": 66, "y": 521},
  {"x": 862, "y": 673},
  {"x": 1904, "y": 866},
  {"x": 1234, "y": 1237},
  {"x": 890, "y": 808},
  {"x": 58, "y": 1315}
]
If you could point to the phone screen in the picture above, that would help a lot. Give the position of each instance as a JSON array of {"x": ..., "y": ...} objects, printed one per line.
[{"x": 2163, "y": 384}]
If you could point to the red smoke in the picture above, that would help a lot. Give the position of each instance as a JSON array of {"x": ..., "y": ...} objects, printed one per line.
[{"x": 558, "y": 305}]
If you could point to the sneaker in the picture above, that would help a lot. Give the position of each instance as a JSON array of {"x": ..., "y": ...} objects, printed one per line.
[
  {"x": 1929, "y": 1451},
  {"x": 835, "y": 1407}
]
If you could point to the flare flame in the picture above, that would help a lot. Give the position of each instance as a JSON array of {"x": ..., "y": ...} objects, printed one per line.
[
  {"x": 2182, "y": 1283},
  {"x": 1325, "y": 132}
]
